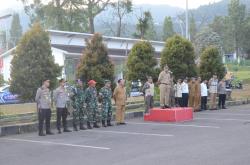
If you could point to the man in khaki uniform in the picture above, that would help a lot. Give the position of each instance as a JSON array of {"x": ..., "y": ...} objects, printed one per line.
[
  {"x": 120, "y": 102},
  {"x": 164, "y": 81}
]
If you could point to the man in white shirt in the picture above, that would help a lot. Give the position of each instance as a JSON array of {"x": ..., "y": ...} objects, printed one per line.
[
  {"x": 185, "y": 91},
  {"x": 178, "y": 93},
  {"x": 148, "y": 90},
  {"x": 204, "y": 93}
]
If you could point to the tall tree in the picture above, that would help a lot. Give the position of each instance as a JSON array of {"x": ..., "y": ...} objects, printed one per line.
[
  {"x": 32, "y": 63},
  {"x": 245, "y": 39},
  {"x": 206, "y": 37},
  {"x": 95, "y": 63},
  {"x": 236, "y": 12},
  {"x": 150, "y": 32},
  {"x": 58, "y": 14},
  {"x": 141, "y": 62},
  {"x": 15, "y": 31},
  {"x": 91, "y": 9},
  {"x": 168, "y": 30},
  {"x": 192, "y": 28},
  {"x": 121, "y": 8},
  {"x": 211, "y": 63},
  {"x": 143, "y": 25},
  {"x": 178, "y": 54}
]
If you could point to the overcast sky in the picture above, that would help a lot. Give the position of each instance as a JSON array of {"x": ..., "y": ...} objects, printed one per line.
[{"x": 178, "y": 3}]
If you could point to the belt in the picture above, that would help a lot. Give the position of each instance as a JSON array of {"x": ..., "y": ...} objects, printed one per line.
[{"x": 165, "y": 83}]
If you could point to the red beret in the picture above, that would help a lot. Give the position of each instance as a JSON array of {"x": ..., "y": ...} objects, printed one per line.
[{"x": 92, "y": 82}]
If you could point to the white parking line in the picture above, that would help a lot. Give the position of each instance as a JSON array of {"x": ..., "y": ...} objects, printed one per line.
[
  {"x": 219, "y": 119},
  {"x": 233, "y": 114},
  {"x": 177, "y": 125},
  {"x": 55, "y": 143},
  {"x": 131, "y": 133}
]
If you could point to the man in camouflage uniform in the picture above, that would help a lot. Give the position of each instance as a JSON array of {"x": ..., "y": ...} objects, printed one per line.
[
  {"x": 105, "y": 96},
  {"x": 78, "y": 105},
  {"x": 92, "y": 105}
]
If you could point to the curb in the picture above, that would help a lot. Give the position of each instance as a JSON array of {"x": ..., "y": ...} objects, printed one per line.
[{"x": 32, "y": 126}]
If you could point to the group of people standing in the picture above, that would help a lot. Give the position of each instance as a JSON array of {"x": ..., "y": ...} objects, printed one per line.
[
  {"x": 84, "y": 103},
  {"x": 193, "y": 93}
]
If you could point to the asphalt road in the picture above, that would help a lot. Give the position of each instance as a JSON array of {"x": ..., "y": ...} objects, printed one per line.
[{"x": 212, "y": 138}]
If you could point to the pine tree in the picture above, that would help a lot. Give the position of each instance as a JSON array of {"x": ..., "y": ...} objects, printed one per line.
[
  {"x": 168, "y": 30},
  {"x": 15, "y": 31},
  {"x": 32, "y": 63},
  {"x": 178, "y": 54},
  {"x": 141, "y": 62},
  {"x": 95, "y": 63},
  {"x": 211, "y": 63}
]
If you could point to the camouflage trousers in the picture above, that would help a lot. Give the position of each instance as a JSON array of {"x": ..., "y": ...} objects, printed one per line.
[
  {"x": 78, "y": 116},
  {"x": 106, "y": 111},
  {"x": 93, "y": 115}
]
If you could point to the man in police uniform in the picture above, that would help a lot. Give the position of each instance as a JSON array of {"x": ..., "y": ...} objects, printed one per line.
[
  {"x": 61, "y": 98},
  {"x": 164, "y": 81},
  {"x": 105, "y": 96},
  {"x": 43, "y": 100},
  {"x": 78, "y": 104},
  {"x": 92, "y": 105}
]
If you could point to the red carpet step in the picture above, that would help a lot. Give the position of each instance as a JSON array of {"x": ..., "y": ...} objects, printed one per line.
[{"x": 176, "y": 114}]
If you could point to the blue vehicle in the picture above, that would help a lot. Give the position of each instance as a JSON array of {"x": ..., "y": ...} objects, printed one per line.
[{"x": 6, "y": 97}]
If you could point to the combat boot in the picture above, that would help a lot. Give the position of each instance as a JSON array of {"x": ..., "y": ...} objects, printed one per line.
[
  {"x": 82, "y": 127},
  {"x": 88, "y": 125},
  {"x": 103, "y": 123},
  {"x": 96, "y": 125},
  {"x": 66, "y": 130},
  {"x": 109, "y": 123},
  {"x": 41, "y": 134},
  {"x": 75, "y": 127}
]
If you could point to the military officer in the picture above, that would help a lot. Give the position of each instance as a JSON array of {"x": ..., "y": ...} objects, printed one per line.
[
  {"x": 78, "y": 105},
  {"x": 164, "y": 81},
  {"x": 92, "y": 105},
  {"x": 105, "y": 95},
  {"x": 61, "y": 98},
  {"x": 43, "y": 100}
]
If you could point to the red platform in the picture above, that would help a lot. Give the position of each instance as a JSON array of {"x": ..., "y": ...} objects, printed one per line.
[{"x": 169, "y": 115}]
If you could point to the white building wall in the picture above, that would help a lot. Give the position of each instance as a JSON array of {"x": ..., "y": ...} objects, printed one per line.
[{"x": 6, "y": 67}]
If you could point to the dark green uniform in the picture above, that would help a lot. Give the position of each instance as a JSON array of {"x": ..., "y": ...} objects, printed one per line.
[
  {"x": 93, "y": 115},
  {"x": 106, "y": 95},
  {"x": 78, "y": 105}
]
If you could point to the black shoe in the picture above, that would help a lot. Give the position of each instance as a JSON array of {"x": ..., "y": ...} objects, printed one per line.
[
  {"x": 224, "y": 107},
  {"x": 166, "y": 106},
  {"x": 96, "y": 125},
  {"x": 66, "y": 130},
  {"x": 162, "y": 107},
  {"x": 103, "y": 123},
  {"x": 41, "y": 134},
  {"x": 49, "y": 133},
  {"x": 75, "y": 127},
  {"x": 109, "y": 123},
  {"x": 88, "y": 125},
  {"x": 123, "y": 123},
  {"x": 82, "y": 127},
  {"x": 59, "y": 131}
]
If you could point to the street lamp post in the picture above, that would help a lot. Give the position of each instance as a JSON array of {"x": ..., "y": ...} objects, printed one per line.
[{"x": 187, "y": 21}]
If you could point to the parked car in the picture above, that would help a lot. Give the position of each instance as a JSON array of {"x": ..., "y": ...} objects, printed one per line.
[
  {"x": 135, "y": 92},
  {"x": 6, "y": 97}
]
